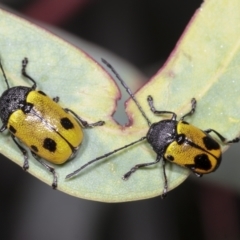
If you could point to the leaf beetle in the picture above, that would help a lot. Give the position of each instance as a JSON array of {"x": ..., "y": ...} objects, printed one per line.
[
  {"x": 173, "y": 140},
  {"x": 50, "y": 132}
]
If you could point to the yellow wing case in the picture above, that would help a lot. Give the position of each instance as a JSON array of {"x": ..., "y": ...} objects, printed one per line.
[
  {"x": 198, "y": 143},
  {"x": 47, "y": 129}
]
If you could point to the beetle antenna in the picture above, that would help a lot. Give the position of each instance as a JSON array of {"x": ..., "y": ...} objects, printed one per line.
[
  {"x": 4, "y": 75},
  {"x": 103, "y": 156},
  {"x": 127, "y": 89}
]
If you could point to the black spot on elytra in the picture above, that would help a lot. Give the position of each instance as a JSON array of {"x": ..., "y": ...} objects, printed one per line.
[
  {"x": 12, "y": 129},
  {"x": 49, "y": 144},
  {"x": 170, "y": 158},
  {"x": 202, "y": 162},
  {"x": 34, "y": 148},
  {"x": 44, "y": 94},
  {"x": 66, "y": 123},
  {"x": 185, "y": 122},
  {"x": 210, "y": 144}
]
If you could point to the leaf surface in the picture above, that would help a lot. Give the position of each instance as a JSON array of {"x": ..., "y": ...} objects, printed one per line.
[{"x": 204, "y": 65}]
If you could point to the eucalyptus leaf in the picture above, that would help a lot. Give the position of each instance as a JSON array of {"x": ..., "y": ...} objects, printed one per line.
[{"x": 203, "y": 65}]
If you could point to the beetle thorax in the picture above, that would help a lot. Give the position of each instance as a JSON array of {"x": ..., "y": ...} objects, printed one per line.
[
  {"x": 161, "y": 134},
  {"x": 11, "y": 100}
]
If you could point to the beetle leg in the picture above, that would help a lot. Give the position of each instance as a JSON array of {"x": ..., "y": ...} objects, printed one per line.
[
  {"x": 84, "y": 123},
  {"x": 3, "y": 128},
  {"x": 193, "y": 108},
  {"x": 136, "y": 167},
  {"x": 24, "y": 66},
  {"x": 165, "y": 189},
  {"x": 49, "y": 168},
  {"x": 235, "y": 140},
  {"x": 56, "y": 99},
  {"x": 150, "y": 103},
  {"x": 198, "y": 174},
  {"x": 24, "y": 152},
  {"x": 223, "y": 139}
]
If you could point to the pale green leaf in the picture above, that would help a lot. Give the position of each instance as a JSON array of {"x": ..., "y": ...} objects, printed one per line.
[{"x": 204, "y": 65}]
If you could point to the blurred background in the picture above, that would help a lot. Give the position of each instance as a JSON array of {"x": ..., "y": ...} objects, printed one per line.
[{"x": 142, "y": 33}]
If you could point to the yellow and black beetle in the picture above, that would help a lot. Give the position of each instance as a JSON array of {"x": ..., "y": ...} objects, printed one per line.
[
  {"x": 176, "y": 141},
  {"x": 48, "y": 130}
]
